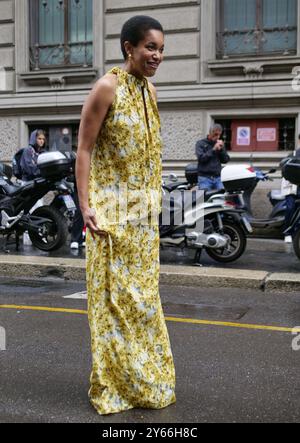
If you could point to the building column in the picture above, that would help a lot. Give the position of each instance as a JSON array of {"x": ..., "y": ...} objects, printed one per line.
[
  {"x": 298, "y": 52},
  {"x": 98, "y": 36}
]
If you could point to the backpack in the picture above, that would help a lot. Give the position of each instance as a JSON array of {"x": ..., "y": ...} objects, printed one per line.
[{"x": 16, "y": 164}]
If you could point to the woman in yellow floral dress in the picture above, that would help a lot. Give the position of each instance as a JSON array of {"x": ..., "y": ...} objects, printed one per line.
[{"x": 119, "y": 183}]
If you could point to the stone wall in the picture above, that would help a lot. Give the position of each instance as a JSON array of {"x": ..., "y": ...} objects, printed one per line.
[
  {"x": 9, "y": 137},
  {"x": 180, "y": 130}
]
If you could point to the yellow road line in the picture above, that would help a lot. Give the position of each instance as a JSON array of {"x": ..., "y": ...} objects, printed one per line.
[
  {"x": 169, "y": 319},
  {"x": 232, "y": 325},
  {"x": 40, "y": 308}
]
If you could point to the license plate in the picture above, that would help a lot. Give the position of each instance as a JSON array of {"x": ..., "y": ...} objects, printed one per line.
[
  {"x": 69, "y": 202},
  {"x": 247, "y": 225}
]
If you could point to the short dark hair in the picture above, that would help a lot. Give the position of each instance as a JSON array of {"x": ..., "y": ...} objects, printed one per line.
[
  {"x": 299, "y": 136},
  {"x": 135, "y": 29}
]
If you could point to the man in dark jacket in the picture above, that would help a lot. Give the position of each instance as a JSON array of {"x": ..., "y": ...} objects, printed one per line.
[
  {"x": 30, "y": 155},
  {"x": 211, "y": 155},
  {"x": 291, "y": 193}
]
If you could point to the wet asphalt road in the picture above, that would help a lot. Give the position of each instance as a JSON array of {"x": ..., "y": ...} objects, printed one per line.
[{"x": 224, "y": 373}]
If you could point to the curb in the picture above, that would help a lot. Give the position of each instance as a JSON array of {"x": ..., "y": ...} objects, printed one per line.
[
  {"x": 74, "y": 270},
  {"x": 212, "y": 277},
  {"x": 282, "y": 282},
  {"x": 42, "y": 267}
]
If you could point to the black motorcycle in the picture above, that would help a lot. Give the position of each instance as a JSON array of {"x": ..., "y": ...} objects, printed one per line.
[
  {"x": 291, "y": 172},
  {"x": 46, "y": 225}
]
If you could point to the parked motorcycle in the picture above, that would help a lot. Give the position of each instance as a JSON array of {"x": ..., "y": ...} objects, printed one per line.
[
  {"x": 46, "y": 226},
  {"x": 64, "y": 201},
  {"x": 272, "y": 227},
  {"x": 225, "y": 229},
  {"x": 291, "y": 172}
]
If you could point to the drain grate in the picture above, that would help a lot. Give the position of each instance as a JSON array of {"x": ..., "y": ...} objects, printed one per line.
[{"x": 205, "y": 312}]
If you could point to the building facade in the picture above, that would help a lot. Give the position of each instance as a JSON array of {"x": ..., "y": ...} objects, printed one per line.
[{"x": 231, "y": 61}]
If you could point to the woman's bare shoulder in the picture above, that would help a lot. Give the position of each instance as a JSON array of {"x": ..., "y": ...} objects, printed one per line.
[
  {"x": 105, "y": 87},
  {"x": 109, "y": 81}
]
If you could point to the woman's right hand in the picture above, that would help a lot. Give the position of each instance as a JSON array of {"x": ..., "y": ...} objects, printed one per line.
[{"x": 90, "y": 221}]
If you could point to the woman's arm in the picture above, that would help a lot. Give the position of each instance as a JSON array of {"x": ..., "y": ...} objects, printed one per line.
[{"x": 93, "y": 114}]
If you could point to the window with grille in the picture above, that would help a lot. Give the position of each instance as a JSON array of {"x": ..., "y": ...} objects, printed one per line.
[
  {"x": 61, "y": 33},
  {"x": 256, "y": 27}
]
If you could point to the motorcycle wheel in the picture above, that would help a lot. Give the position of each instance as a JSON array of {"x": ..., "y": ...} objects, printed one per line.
[
  {"x": 296, "y": 244},
  {"x": 54, "y": 233},
  {"x": 236, "y": 248}
]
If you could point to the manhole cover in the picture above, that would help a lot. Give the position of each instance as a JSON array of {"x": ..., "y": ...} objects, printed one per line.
[{"x": 205, "y": 312}]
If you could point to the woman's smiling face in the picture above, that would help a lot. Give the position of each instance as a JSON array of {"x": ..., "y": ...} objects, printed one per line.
[{"x": 144, "y": 59}]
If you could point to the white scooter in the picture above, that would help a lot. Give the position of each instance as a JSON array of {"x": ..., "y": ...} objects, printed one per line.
[{"x": 223, "y": 229}]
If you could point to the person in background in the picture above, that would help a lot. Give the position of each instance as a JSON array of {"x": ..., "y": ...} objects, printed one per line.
[
  {"x": 29, "y": 167},
  {"x": 291, "y": 193},
  {"x": 211, "y": 154},
  {"x": 37, "y": 144}
]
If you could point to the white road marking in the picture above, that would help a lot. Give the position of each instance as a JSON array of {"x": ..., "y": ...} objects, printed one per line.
[{"x": 77, "y": 296}]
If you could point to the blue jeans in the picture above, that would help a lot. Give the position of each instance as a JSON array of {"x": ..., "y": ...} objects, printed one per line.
[
  {"x": 210, "y": 184},
  {"x": 290, "y": 208}
]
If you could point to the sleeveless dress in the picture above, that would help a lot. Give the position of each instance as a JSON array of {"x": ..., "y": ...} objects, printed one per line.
[{"x": 132, "y": 358}]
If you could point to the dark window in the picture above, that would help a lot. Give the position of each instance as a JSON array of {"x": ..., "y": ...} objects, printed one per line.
[
  {"x": 287, "y": 133},
  {"x": 60, "y": 137},
  {"x": 256, "y": 27},
  {"x": 61, "y": 33}
]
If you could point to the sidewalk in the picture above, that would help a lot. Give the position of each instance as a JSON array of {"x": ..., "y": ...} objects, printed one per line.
[{"x": 266, "y": 265}]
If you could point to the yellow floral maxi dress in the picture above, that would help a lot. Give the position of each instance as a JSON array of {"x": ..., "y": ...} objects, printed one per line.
[{"x": 132, "y": 359}]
